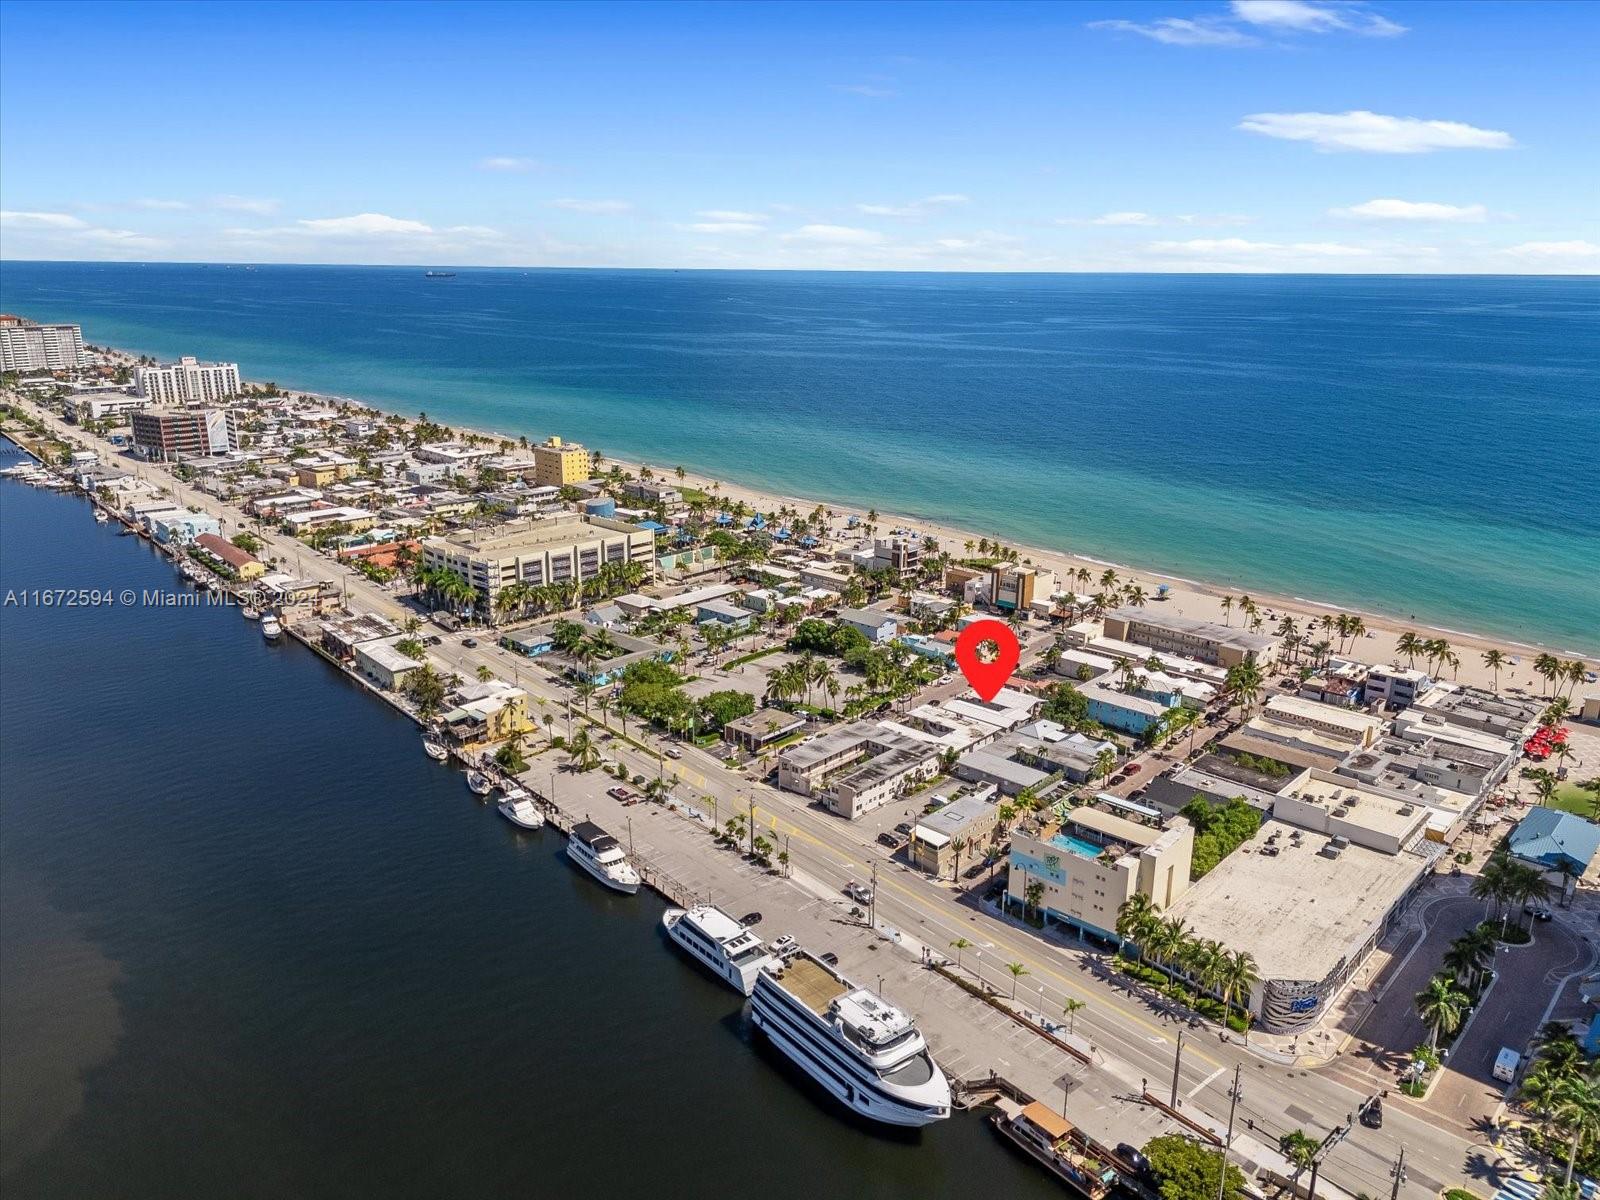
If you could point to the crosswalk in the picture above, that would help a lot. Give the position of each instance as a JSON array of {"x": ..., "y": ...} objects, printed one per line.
[{"x": 1517, "y": 1188}]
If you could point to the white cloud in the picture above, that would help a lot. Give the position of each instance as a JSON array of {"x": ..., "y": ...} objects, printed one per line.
[
  {"x": 915, "y": 208},
  {"x": 729, "y": 214},
  {"x": 161, "y": 205},
  {"x": 733, "y": 227},
  {"x": 834, "y": 235},
  {"x": 1214, "y": 219},
  {"x": 1303, "y": 16},
  {"x": 1124, "y": 218},
  {"x": 365, "y": 225},
  {"x": 1237, "y": 247},
  {"x": 1411, "y": 210},
  {"x": 509, "y": 164},
  {"x": 1176, "y": 31},
  {"x": 865, "y": 89},
  {"x": 1375, "y": 133},
  {"x": 593, "y": 207},
  {"x": 245, "y": 204},
  {"x": 40, "y": 220},
  {"x": 1547, "y": 251},
  {"x": 127, "y": 239}
]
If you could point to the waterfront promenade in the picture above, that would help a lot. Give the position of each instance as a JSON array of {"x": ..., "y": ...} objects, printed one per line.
[{"x": 1132, "y": 1042}]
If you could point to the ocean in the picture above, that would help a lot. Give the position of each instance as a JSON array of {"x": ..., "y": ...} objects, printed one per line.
[
  {"x": 1414, "y": 446},
  {"x": 256, "y": 944}
]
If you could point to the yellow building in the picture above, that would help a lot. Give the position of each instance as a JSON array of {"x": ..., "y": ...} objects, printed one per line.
[
  {"x": 489, "y": 712},
  {"x": 317, "y": 475},
  {"x": 557, "y": 463}
]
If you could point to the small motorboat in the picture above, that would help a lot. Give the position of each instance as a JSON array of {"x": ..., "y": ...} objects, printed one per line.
[
  {"x": 271, "y": 628},
  {"x": 248, "y": 613},
  {"x": 100, "y": 518},
  {"x": 480, "y": 783},
  {"x": 435, "y": 749},
  {"x": 519, "y": 808}
]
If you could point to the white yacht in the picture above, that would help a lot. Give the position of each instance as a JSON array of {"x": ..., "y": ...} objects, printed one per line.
[
  {"x": 480, "y": 783},
  {"x": 435, "y": 750},
  {"x": 714, "y": 939},
  {"x": 518, "y": 808},
  {"x": 100, "y": 518},
  {"x": 598, "y": 853},
  {"x": 248, "y": 613},
  {"x": 865, "y": 1052},
  {"x": 271, "y": 629}
]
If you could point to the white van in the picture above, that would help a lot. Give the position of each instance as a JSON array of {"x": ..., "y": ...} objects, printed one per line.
[{"x": 1506, "y": 1064}]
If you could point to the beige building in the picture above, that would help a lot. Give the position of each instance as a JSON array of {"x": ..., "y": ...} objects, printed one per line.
[
  {"x": 540, "y": 552},
  {"x": 1013, "y": 587},
  {"x": 557, "y": 463},
  {"x": 856, "y": 768},
  {"x": 188, "y": 381},
  {"x": 1342, "y": 724},
  {"x": 1092, "y": 862},
  {"x": 1219, "y": 645}
]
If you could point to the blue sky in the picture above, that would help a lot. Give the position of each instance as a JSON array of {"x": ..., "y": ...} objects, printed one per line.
[{"x": 1263, "y": 135}]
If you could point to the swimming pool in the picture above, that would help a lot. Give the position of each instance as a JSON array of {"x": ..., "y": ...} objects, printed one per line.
[{"x": 1076, "y": 845}]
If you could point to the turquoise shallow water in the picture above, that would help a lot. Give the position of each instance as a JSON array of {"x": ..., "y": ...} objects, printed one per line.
[{"x": 1404, "y": 445}]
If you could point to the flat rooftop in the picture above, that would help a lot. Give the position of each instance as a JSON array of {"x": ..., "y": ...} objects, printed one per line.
[
  {"x": 811, "y": 983},
  {"x": 1224, "y": 635},
  {"x": 1358, "y": 806},
  {"x": 1112, "y": 826},
  {"x": 1297, "y": 913},
  {"x": 529, "y": 537}
]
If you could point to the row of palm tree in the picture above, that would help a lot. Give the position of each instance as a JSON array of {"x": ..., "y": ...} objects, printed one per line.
[
  {"x": 1563, "y": 1088},
  {"x": 1510, "y": 885},
  {"x": 796, "y": 679},
  {"x": 1169, "y": 944},
  {"x": 1244, "y": 683},
  {"x": 1436, "y": 652},
  {"x": 1555, "y": 672}
]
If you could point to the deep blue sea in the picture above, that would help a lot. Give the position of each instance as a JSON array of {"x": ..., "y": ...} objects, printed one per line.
[{"x": 1404, "y": 445}]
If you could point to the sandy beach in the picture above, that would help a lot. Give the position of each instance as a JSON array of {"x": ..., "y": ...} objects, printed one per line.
[{"x": 1187, "y": 597}]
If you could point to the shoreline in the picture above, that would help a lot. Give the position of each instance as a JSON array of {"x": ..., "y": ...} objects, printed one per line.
[{"x": 1190, "y": 597}]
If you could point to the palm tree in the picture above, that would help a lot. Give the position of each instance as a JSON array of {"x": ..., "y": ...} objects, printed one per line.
[
  {"x": 1441, "y": 1005},
  {"x": 1299, "y": 1148},
  {"x": 957, "y": 846},
  {"x": 1017, "y": 972},
  {"x": 1575, "y": 1110},
  {"x": 958, "y": 946},
  {"x": 1071, "y": 1009},
  {"x": 1105, "y": 762},
  {"x": 1239, "y": 977},
  {"x": 1494, "y": 660},
  {"x": 1410, "y": 645},
  {"x": 1137, "y": 918},
  {"x": 1470, "y": 955}
]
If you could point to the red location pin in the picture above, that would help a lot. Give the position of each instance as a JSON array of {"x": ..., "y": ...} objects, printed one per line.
[{"x": 987, "y": 678}]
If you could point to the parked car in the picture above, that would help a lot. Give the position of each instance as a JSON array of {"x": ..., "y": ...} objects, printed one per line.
[
  {"x": 784, "y": 946},
  {"x": 1538, "y": 912},
  {"x": 749, "y": 919},
  {"x": 830, "y": 958},
  {"x": 1132, "y": 769},
  {"x": 1134, "y": 1158},
  {"x": 619, "y": 793},
  {"x": 903, "y": 829},
  {"x": 859, "y": 892},
  {"x": 1118, "y": 778},
  {"x": 889, "y": 839}
]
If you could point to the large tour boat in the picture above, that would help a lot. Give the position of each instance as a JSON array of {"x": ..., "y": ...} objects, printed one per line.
[
  {"x": 865, "y": 1052},
  {"x": 719, "y": 943},
  {"x": 598, "y": 853}
]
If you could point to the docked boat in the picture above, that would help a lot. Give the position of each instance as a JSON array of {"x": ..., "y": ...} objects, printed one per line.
[
  {"x": 1060, "y": 1147},
  {"x": 271, "y": 628},
  {"x": 248, "y": 613},
  {"x": 719, "y": 943},
  {"x": 480, "y": 783},
  {"x": 598, "y": 853},
  {"x": 434, "y": 749},
  {"x": 859, "y": 1048},
  {"x": 100, "y": 518},
  {"x": 519, "y": 808}
]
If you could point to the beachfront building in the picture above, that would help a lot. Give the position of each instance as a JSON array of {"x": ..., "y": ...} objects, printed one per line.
[
  {"x": 1483, "y": 711},
  {"x": 559, "y": 464},
  {"x": 100, "y": 407},
  {"x": 1312, "y": 893},
  {"x": 538, "y": 552},
  {"x": 1395, "y": 687},
  {"x": 188, "y": 381},
  {"x": 1089, "y": 863},
  {"x": 1018, "y": 588},
  {"x": 1357, "y": 728},
  {"x": 1218, "y": 645},
  {"x": 900, "y": 554},
  {"x": 26, "y": 346},
  {"x": 170, "y": 434},
  {"x": 856, "y": 768}
]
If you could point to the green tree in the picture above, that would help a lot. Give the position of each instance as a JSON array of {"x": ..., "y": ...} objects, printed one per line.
[
  {"x": 1442, "y": 1006},
  {"x": 1071, "y": 1009},
  {"x": 1185, "y": 1170}
]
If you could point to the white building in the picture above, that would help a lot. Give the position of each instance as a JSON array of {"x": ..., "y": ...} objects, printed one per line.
[
  {"x": 25, "y": 346},
  {"x": 189, "y": 381}
]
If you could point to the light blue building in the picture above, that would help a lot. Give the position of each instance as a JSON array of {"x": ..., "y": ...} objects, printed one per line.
[
  {"x": 180, "y": 527},
  {"x": 1121, "y": 711},
  {"x": 1554, "y": 839}
]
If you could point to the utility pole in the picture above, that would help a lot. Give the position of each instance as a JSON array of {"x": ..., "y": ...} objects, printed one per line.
[
  {"x": 1336, "y": 1135},
  {"x": 872, "y": 902},
  {"x": 1399, "y": 1174},
  {"x": 1177, "y": 1062},
  {"x": 1066, "y": 1092},
  {"x": 752, "y": 823},
  {"x": 1233, "y": 1102}
]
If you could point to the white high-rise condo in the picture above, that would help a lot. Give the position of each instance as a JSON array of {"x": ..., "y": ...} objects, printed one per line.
[
  {"x": 189, "y": 381},
  {"x": 25, "y": 346}
]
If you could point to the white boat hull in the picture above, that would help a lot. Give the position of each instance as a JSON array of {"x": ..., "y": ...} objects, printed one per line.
[
  {"x": 627, "y": 887},
  {"x": 721, "y": 968},
  {"x": 530, "y": 818}
]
